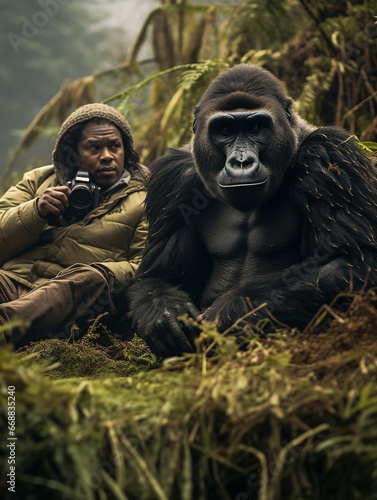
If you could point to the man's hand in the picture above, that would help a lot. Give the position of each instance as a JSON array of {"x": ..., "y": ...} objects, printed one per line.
[{"x": 53, "y": 201}]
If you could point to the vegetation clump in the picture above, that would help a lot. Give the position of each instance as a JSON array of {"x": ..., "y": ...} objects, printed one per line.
[
  {"x": 90, "y": 359},
  {"x": 291, "y": 416}
]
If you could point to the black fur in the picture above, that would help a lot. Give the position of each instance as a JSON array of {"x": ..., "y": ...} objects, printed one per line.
[{"x": 331, "y": 182}]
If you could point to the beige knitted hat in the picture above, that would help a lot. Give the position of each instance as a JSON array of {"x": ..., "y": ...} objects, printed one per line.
[{"x": 65, "y": 156}]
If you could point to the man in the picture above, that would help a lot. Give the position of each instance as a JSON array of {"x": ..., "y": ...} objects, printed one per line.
[{"x": 62, "y": 261}]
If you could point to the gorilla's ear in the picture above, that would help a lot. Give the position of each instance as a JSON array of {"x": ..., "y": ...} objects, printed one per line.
[
  {"x": 194, "y": 125},
  {"x": 288, "y": 107}
]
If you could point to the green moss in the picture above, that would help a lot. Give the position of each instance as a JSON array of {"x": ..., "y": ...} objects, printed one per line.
[{"x": 90, "y": 359}]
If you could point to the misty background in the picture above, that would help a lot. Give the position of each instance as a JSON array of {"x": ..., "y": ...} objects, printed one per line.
[{"x": 47, "y": 42}]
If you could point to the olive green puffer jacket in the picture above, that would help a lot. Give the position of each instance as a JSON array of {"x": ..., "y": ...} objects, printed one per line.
[{"x": 112, "y": 235}]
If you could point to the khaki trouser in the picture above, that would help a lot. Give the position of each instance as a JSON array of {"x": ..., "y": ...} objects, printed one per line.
[{"x": 77, "y": 294}]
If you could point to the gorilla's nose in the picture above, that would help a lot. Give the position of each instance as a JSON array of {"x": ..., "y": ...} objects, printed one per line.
[{"x": 242, "y": 164}]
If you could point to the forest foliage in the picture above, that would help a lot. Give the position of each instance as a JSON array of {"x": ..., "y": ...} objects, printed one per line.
[{"x": 324, "y": 52}]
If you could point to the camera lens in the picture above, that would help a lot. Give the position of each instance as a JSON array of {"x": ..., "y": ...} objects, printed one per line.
[{"x": 81, "y": 197}]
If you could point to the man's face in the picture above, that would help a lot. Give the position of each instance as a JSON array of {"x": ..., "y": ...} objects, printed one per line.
[{"x": 102, "y": 153}]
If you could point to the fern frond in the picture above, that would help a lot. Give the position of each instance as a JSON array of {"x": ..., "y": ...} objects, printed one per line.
[
  {"x": 259, "y": 57},
  {"x": 196, "y": 71},
  {"x": 176, "y": 122},
  {"x": 131, "y": 91}
]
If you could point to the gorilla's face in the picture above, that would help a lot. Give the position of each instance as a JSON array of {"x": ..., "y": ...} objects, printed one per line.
[
  {"x": 243, "y": 144},
  {"x": 243, "y": 136}
]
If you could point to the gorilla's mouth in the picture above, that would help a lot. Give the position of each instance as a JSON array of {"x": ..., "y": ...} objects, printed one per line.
[
  {"x": 241, "y": 174},
  {"x": 243, "y": 184}
]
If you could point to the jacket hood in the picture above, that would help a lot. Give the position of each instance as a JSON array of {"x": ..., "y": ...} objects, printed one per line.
[{"x": 65, "y": 157}]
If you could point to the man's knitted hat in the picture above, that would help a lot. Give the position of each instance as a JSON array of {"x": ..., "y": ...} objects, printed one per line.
[{"x": 65, "y": 157}]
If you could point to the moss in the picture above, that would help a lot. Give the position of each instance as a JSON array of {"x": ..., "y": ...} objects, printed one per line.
[{"x": 89, "y": 359}]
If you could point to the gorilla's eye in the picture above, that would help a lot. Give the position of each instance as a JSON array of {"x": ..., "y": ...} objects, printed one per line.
[
  {"x": 258, "y": 123},
  {"x": 223, "y": 128},
  {"x": 226, "y": 131}
]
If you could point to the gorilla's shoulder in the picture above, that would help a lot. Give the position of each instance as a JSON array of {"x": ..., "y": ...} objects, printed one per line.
[
  {"x": 328, "y": 133},
  {"x": 177, "y": 161},
  {"x": 333, "y": 146},
  {"x": 172, "y": 182},
  {"x": 334, "y": 182}
]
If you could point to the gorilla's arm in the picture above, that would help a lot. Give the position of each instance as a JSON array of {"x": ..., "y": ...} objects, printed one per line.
[
  {"x": 333, "y": 183},
  {"x": 174, "y": 262}
]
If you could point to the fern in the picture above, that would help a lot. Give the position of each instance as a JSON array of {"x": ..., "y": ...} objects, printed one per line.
[
  {"x": 130, "y": 92},
  {"x": 191, "y": 76},
  {"x": 175, "y": 125},
  {"x": 193, "y": 73}
]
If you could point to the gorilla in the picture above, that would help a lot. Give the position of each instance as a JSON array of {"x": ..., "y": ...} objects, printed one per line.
[{"x": 261, "y": 207}]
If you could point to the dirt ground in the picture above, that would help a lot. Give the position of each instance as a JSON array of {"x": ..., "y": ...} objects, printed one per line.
[{"x": 339, "y": 341}]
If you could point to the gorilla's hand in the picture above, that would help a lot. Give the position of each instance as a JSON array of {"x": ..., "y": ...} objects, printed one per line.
[
  {"x": 284, "y": 303},
  {"x": 156, "y": 318},
  {"x": 232, "y": 306},
  {"x": 226, "y": 309}
]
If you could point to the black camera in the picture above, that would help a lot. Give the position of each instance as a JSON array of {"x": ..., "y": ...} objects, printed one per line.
[{"x": 85, "y": 196}]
